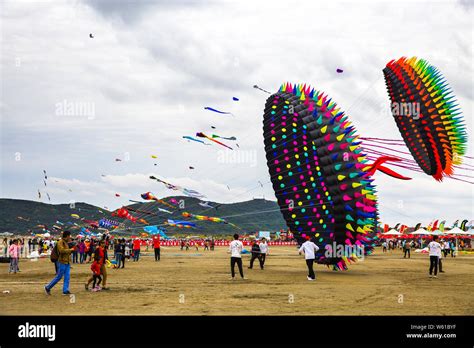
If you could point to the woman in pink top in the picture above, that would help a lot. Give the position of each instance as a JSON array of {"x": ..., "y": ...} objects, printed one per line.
[{"x": 14, "y": 251}]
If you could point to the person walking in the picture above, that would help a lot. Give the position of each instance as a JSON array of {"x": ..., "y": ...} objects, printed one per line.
[
  {"x": 64, "y": 267},
  {"x": 434, "y": 249},
  {"x": 156, "y": 247},
  {"x": 406, "y": 248},
  {"x": 263, "y": 252},
  {"x": 255, "y": 253},
  {"x": 14, "y": 251},
  {"x": 309, "y": 249},
  {"x": 136, "y": 249},
  {"x": 96, "y": 267},
  {"x": 235, "y": 249}
]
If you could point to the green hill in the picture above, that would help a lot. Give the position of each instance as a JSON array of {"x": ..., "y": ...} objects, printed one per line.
[{"x": 20, "y": 216}]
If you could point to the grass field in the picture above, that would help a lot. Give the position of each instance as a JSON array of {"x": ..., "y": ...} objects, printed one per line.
[{"x": 197, "y": 283}]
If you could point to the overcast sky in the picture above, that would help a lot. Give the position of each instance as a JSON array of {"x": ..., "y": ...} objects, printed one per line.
[{"x": 144, "y": 79}]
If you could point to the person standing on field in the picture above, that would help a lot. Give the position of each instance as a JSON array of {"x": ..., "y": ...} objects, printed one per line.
[
  {"x": 156, "y": 247},
  {"x": 235, "y": 249},
  {"x": 309, "y": 249}
]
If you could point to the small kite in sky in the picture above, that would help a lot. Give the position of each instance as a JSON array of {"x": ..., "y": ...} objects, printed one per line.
[
  {"x": 218, "y": 111},
  {"x": 213, "y": 127},
  {"x": 191, "y": 167},
  {"x": 226, "y": 138},
  {"x": 228, "y": 187},
  {"x": 39, "y": 194},
  {"x": 206, "y": 205},
  {"x": 44, "y": 181},
  {"x": 153, "y": 156},
  {"x": 339, "y": 71},
  {"x": 256, "y": 87},
  {"x": 117, "y": 195},
  {"x": 235, "y": 99},
  {"x": 202, "y": 135},
  {"x": 118, "y": 160},
  {"x": 45, "y": 176},
  {"x": 91, "y": 36},
  {"x": 49, "y": 198},
  {"x": 194, "y": 139},
  {"x": 165, "y": 211}
]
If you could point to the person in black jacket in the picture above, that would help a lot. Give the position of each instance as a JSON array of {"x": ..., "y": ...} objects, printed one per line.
[{"x": 255, "y": 253}]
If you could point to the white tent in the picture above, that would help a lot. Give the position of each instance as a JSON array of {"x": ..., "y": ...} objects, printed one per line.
[
  {"x": 459, "y": 232},
  {"x": 421, "y": 231},
  {"x": 392, "y": 232}
]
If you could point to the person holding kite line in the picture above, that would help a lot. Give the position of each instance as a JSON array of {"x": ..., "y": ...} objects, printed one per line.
[
  {"x": 235, "y": 249},
  {"x": 309, "y": 249}
]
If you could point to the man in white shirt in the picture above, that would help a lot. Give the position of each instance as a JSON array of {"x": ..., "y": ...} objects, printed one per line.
[
  {"x": 309, "y": 249},
  {"x": 434, "y": 249},
  {"x": 235, "y": 249},
  {"x": 263, "y": 252}
]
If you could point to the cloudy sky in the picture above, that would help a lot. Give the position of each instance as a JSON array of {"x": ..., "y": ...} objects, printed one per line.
[{"x": 71, "y": 104}]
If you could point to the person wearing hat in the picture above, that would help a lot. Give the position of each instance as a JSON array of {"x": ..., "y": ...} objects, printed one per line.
[
  {"x": 309, "y": 249},
  {"x": 64, "y": 267}
]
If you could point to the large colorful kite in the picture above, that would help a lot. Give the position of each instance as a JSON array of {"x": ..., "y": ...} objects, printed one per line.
[
  {"x": 427, "y": 115},
  {"x": 150, "y": 197},
  {"x": 318, "y": 172}
]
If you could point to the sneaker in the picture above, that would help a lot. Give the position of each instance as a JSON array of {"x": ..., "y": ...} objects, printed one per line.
[
  {"x": 67, "y": 293},
  {"x": 435, "y": 276},
  {"x": 309, "y": 278},
  {"x": 441, "y": 271},
  {"x": 47, "y": 291},
  {"x": 86, "y": 287},
  {"x": 244, "y": 278},
  {"x": 431, "y": 276}
]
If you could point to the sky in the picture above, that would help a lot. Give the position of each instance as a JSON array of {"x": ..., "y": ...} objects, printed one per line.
[{"x": 71, "y": 104}]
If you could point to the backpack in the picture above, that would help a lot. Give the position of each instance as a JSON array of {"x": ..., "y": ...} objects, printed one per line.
[{"x": 55, "y": 254}]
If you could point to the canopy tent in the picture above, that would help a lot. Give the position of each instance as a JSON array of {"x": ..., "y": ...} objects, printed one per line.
[
  {"x": 392, "y": 232},
  {"x": 420, "y": 231}
]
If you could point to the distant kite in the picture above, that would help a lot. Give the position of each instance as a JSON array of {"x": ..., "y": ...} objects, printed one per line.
[
  {"x": 118, "y": 160},
  {"x": 235, "y": 99},
  {"x": 91, "y": 36},
  {"x": 217, "y": 111},
  {"x": 191, "y": 167},
  {"x": 339, "y": 71},
  {"x": 39, "y": 194},
  {"x": 180, "y": 224},
  {"x": 194, "y": 139},
  {"x": 202, "y": 135},
  {"x": 256, "y": 87},
  {"x": 149, "y": 197},
  {"x": 153, "y": 156},
  {"x": 206, "y": 218},
  {"x": 117, "y": 195},
  {"x": 226, "y": 138}
]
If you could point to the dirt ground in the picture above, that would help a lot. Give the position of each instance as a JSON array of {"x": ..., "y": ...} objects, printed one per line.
[{"x": 197, "y": 283}]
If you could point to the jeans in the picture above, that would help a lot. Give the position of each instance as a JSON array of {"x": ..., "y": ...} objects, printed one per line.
[
  {"x": 64, "y": 270},
  {"x": 238, "y": 261},
  {"x": 74, "y": 257},
  {"x": 309, "y": 263},
  {"x": 255, "y": 256},
  {"x": 136, "y": 254},
  {"x": 157, "y": 254},
  {"x": 120, "y": 260},
  {"x": 13, "y": 265},
  {"x": 82, "y": 257},
  {"x": 405, "y": 254},
  {"x": 434, "y": 260}
]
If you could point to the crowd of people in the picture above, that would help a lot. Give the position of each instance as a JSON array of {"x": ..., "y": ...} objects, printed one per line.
[{"x": 95, "y": 251}]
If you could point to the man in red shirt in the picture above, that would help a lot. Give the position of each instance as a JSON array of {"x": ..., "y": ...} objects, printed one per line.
[
  {"x": 136, "y": 249},
  {"x": 156, "y": 246}
]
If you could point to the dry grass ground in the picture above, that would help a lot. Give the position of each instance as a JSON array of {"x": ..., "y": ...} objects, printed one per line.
[{"x": 201, "y": 279}]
